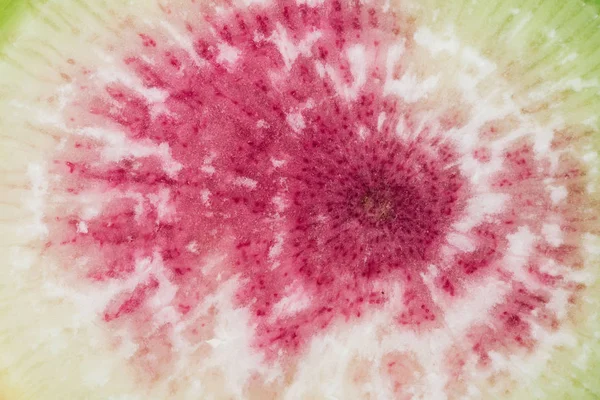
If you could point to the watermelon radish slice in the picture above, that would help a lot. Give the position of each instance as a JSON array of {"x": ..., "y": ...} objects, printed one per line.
[{"x": 299, "y": 199}]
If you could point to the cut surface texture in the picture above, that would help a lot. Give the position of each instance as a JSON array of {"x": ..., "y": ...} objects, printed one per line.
[{"x": 300, "y": 200}]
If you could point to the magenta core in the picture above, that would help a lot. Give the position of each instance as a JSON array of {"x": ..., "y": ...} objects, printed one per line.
[{"x": 292, "y": 172}]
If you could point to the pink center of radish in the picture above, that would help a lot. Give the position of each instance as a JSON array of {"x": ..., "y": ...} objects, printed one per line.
[{"x": 274, "y": 152}]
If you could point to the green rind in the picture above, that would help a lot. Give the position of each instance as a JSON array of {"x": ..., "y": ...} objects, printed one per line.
[
  {"x": 594, "y": 2},
  {"x": 11, "y": 12}
]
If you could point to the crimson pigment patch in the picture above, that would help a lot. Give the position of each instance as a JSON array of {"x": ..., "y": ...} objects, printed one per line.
[{"x": 275, "y": 177}]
